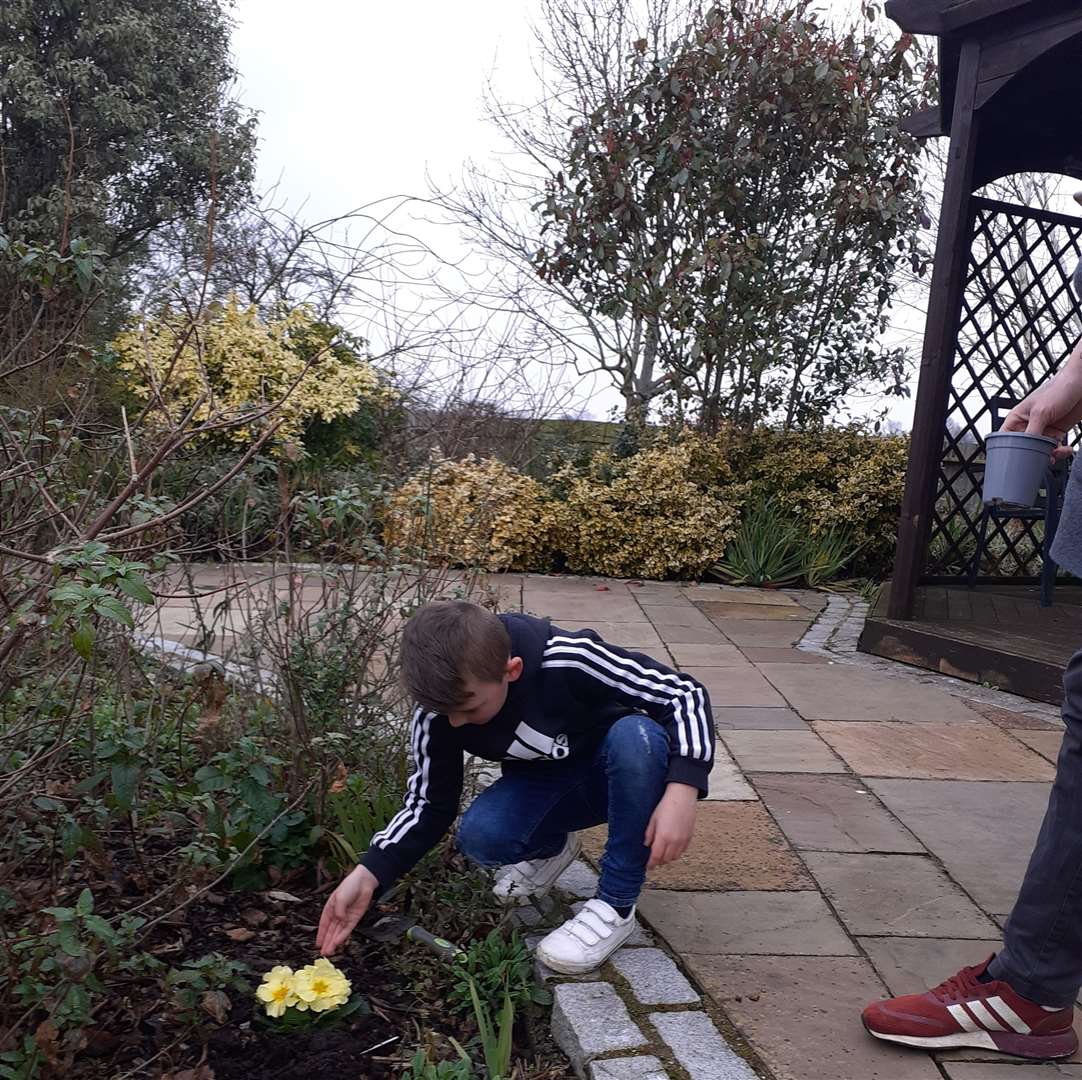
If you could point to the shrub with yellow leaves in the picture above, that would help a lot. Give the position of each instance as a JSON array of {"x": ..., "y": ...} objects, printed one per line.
[
  {"x": 843, "y": 478},
  {"x": 233, "y": 362},
  {"x": 473, "y": 513},
  {"x": 667, "y": 511}
]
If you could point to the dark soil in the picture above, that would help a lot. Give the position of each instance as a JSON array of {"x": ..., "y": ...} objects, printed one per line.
[{"x": 139, "y": 1034}]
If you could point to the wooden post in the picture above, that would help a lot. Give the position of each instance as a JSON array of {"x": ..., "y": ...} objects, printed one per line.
[{"x": 940, "y": 340}]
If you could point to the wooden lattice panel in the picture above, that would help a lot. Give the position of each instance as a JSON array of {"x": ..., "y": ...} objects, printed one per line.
[{"x": 1019, "y": 321}]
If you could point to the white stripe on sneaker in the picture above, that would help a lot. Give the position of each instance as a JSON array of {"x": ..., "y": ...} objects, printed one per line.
[
  {"x": 983, "y": 1016},
  {"x": 961, "y": 1017},
  {"x": 1008, "y": 1014}
]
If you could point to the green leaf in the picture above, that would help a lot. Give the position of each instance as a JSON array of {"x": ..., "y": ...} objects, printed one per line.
[
  {"x": 109, "y": 607},
  {"x": 43, "y": 802},
  {"x": 125, "y": 777},
  {"x": 101, "y": 928},
  {"x": 85, "y": 904},
  {"x": 83, "y": 639},
  {"x": 61, "y": 914},
  {"x": 134, "y": 586}
]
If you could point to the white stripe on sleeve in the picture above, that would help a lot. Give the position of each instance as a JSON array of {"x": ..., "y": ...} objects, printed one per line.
[
  {"x": 416, "y": 789},
  {"x": 648, "y": 684}
]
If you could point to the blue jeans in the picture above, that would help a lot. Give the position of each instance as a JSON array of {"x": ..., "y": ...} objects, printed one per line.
[{"x": 529, "y": 811}]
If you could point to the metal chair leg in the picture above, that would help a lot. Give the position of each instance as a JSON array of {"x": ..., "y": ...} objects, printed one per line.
[{"x": 982, "y": 539}]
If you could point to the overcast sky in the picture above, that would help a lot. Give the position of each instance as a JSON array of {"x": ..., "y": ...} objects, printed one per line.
[{"x": 358, "y": 101}]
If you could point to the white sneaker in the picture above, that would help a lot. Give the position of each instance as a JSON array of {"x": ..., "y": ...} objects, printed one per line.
[
  {"x": 522, "y": 882},
  {"x": 586, "y": 941}
]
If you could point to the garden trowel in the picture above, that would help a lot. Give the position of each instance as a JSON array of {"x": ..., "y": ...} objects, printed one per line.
[{"x": 392, "y": 927}]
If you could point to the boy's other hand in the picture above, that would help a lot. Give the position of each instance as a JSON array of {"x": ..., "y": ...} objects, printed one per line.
[
  {"x": 671, "y": 825},
  {"x": 345, "y": 907}
]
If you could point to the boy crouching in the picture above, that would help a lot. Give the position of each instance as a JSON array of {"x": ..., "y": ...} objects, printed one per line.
[{"x": 586, "y": 733}]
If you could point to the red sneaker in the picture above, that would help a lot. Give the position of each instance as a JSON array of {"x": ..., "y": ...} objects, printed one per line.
[{"x": 965, "y": 1012}]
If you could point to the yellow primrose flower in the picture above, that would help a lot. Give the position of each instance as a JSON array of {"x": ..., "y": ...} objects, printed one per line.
[
  {"x": 320, "y": 986},
  {"x": 277, "y": 990}
]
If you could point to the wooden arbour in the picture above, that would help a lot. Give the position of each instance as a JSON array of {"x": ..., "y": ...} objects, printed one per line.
[{"x": 1000, "y": 314}]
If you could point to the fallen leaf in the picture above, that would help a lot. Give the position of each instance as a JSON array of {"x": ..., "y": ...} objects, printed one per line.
[
  {"x": 289, "y": 898},
  {"x": 601, "y": 588},
  {"x": 47, "y": 1040},
  {"x": 240, "y": 933},
  {"x": 204, "y": 1072},
  {"x": 217, "y": 1004},
  {"x": 254, "y": 917}
]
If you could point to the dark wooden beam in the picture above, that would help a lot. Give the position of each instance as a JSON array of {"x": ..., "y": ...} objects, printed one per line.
[
  {"x": 940, "y": 339},
  {"x": 946, "y": 16},
  {"x": 925, "y": 123}
]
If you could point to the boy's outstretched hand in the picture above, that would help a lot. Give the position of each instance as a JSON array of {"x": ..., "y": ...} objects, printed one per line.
[
  {"x": 345, "y": 907},
  {"x": 669, "y": 831}
]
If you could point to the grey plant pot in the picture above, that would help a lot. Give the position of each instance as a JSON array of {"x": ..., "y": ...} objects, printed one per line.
[{"x": 1015, "y": 463}]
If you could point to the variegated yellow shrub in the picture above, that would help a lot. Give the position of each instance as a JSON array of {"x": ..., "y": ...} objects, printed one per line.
[
  {"x": 665, "y": 512},
  {"x": 232, "y": 362},
  {"x": 835, "y": 477},
  {"x": 473, "y": 513}
]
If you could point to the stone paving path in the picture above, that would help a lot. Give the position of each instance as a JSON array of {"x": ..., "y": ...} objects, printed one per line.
[{"x": 865, "y": 835}]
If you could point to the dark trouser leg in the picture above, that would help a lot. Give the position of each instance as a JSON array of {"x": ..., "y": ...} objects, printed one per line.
[
  {"x": 1042, "y": 952},
  {"x": 528, "y": 813}
]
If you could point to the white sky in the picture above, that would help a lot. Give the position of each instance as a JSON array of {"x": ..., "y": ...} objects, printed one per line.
[{"x": 357, "y": 101}]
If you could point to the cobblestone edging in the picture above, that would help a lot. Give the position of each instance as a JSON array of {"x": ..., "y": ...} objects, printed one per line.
[
  {"x": 638, "y": 1018},
  {"x": 835, "y": 634}
]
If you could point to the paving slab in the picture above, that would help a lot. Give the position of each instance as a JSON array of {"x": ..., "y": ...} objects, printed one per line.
[
  {"x": 721, "y": 924},
  {"x": 910, "y": 965},
  {"x": 631, "y": 1068},
  {"x": 1009, "y": 718},
  {"x": 683, "y": 613},
  {"x": 808, "y": 598},
  {"x": 742, "y": 686},
  {"x": 1046, "y": 743},
  {"x": 896, "y": 895},
  {"x": 817, "y": 694},
  {"x": 697, "y": 1046},
  {"x": 781, "y": 751},
  {"x": 963, "y": 1070},
  {"x": 774, "y": 612},
  {"x": 764, "y": 632},
  {"x": 767, "y": 718},
  {"x": 726, "y": 781},
  {"x": 739, "y": 594},
  {"x": 718, "y": 654},
  {"x": 832, "y": 813},
  {"x": 585, "y": 610},
  {"x": 982, "y": 833},
  {"x": 736, "y": 845},
  {"x": 691, "y": 635},
  {"x": 802, "y": 1015},
  {"x": 762, "y": 655},
  {"x": 926, "y": 751},
  {"x": 578, "y": 880},
  {"x": 589, "y": 1019},
  {"x": 654, "y": 978}
]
